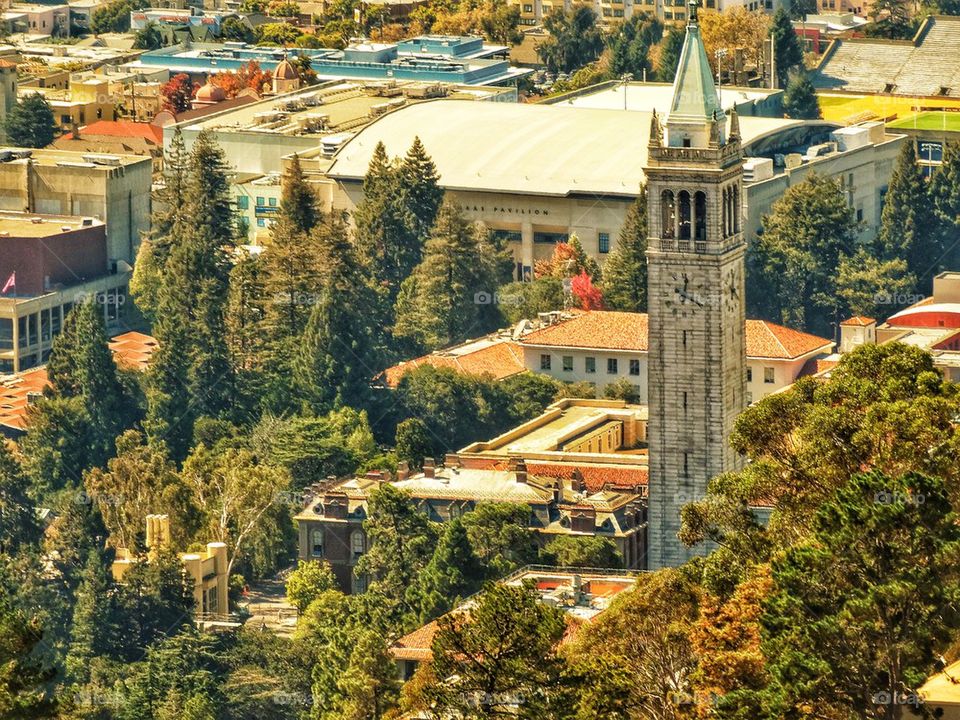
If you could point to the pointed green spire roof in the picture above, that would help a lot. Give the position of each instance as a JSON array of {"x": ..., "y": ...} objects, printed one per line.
[{"x": 694, "y": 94}]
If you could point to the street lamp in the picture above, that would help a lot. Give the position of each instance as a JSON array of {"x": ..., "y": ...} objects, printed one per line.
[
  {"x": 624, "y": 79},
  {"x": 721, "y": 54}
]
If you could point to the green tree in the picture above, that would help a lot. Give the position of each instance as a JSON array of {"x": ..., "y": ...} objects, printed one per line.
[
  {"x": 868, "y": 286},
  {"x": 786, "y": 44},
  {"x": 453, "y": 572},
  {"x": 422, "y": 193},
  {"x": 501, "y": 537},
  {"x": 81, "y": 365},
  {"x": 795, "y": 260},
  {"x": 336, "y": 358},
  {"x": 625, "y": 273},
  {"x": 862, "y": 608},
  {"x": 399, "y": 537},
  {"x": 908, "y": 223},
  {"x": 282, "y": 34},
  {"x": 583, "y": 551},
  {"x": 23, "y": 680},
  {"x": 57, "y": 446},
  {"x": 800, "y": 99},
  {"x": 630, "y": 45},
  {"x": 236, "y": 30},
  {"x": 945, "y": 192},
  {"x": 636, "y": 659},
  {"x": 574, "y": 39},
  {"x": 524, "y": 300},
  {"x": 148, "y": 38},
  {"x": 893, "y": 17},
  {"x": 307, "y": 582},
  {"x": 93, "y": 629},
  {"x": 30, "y": 122},
  {"x": 170, "y": 413},
  {"x": 500, "y": 23},
  {"x": 447, "y": 298},
  {"x": 18, "y": 522},
  {"x": 505, "y": 647},
  {"x": 413, "y": 442},
  {"x": 370, "y": 682},
  {"x": 670, "y": 48},
  {"x": 299, "y": 205}
]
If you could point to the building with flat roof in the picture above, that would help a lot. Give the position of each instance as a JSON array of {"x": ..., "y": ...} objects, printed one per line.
[
  {"x": 611, "y": 12},
  {"x": 601, "y": 347},
  {"x": 114, "y": 189},
  {"x": 582, "y": 593},
  {"x": 330, "y": 523},
  {"x": 432, "y": 59},
  {"x": 314, "y": 121},
  {"x": 536, "y": 174}
]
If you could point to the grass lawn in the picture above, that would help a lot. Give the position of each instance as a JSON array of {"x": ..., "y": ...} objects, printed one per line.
[{"x": 931, "y": 120}]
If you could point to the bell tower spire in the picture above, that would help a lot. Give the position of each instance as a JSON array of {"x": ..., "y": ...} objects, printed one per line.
[{"x": 697, "y": 357}]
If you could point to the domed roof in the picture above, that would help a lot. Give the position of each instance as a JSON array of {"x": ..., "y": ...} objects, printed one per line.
[
  {"x": 286, "y": 71},
  {"x": 210, "y": 93}
]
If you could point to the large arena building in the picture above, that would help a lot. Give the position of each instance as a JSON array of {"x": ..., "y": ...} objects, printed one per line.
[{"x": 537, "y": 174}]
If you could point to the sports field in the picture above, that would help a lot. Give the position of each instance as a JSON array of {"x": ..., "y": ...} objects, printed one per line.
[
  {"x": 932, "y": 120},
  {"x": 848, "y": 109}
]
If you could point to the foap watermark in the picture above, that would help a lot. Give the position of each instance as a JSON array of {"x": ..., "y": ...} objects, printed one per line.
[
  {"x": 99, "y": 298},
  {"x": 895, "y": 497},
  {"x": 82, "y": 497},
  {"x": 485, "y": 298},
  {"x": 292, "y": 699},
  {"x": 295, "y": 298},
  {"x": 98, "y": 698},
  {"x": 292, "y": 498},
  {"x": 897, "y": 298},
  {"x": 885, "y": 697}
]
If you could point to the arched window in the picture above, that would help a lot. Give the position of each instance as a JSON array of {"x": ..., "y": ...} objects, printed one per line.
[
  {"x": 668, "y": 214},
  {"x": 700, "y": 215},
  {"x": 358, "y": 544},
  {"x": 316, "y": 545},
  {"x": 684, "y": 226},
  {"x": 736, "y": 208},
  {"x": 725, "y": 225}
]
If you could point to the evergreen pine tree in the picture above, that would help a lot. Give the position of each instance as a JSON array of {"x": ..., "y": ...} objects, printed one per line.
[
  {"x": 170, "y": 413},
  {"x": 18, "y": 522},
  {"x": 334, "y": 362},
  {"x": 800, "y": 99},
  {"x": 787, "y": 50},
  {"x": 168, "y": 215},
  {"x": 448, "y": 297},
  {"x": 945, "y": 192},
  {"x": 91, "y": 632},
  {"x": 453, "y": 572},
  {"x": 299, "y": 208},
  {"x": 670, "y": 49},
  {"x": 422, "y": 193},
  {"x": 384, "y": 236},
  {"x": 30, "y": 122},
  {"x": 908, "y": 224},
  {"x": 625, "y": 273},
  {"x": 81, "y": 365}
]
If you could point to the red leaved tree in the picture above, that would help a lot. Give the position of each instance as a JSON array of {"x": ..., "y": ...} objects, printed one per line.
[
  {"x": 177, "y": 93},
  {"x": 587, "y": 295}
]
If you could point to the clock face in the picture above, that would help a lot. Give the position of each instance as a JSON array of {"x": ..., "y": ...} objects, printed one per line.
[
  {"x": 731, "y": 289},
  {"x": 687, "y": 296}
]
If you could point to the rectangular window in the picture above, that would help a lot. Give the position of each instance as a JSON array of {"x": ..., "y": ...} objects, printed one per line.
[
  {"x": 749, "y": 374},
  {"x": 603, "y": 242},
  {"x": 859, "y": 214},
  {"x": 261, "y": 222},
  {"x": 612, "y": 366},
  {"x": 243, "y": 202},
  {"x": 544, "y": 362},
  {"x": 568, "y": 363},
  {"x": 272, "y": 201},
  {"x": 634, "y": 367},
  {"x": 768, "y": 375},
  {"x": 6, "y": 334},
  {"x": 528, "y": 8},
  {"x": 590, "y": 364},
  {"x": 260, "y": 202}
]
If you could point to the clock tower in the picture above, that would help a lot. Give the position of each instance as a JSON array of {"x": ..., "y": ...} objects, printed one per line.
[{"x": 697, "y": 355}]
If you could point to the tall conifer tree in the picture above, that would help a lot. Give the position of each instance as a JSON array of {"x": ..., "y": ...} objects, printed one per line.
[{"x": 625, "y": 273}]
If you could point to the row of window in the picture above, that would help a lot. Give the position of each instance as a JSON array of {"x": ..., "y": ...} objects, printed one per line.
[
  {"x": 589, "y": 364},
  {"x": 769, "y": 376},
  {"x": 358, "y": 544},
  {"x": 243, "y": 202}
]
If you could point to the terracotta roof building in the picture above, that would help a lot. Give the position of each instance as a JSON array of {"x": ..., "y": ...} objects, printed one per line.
[
  {"x": 582, "y": 594},
  {"x": 602, "y": 347}
]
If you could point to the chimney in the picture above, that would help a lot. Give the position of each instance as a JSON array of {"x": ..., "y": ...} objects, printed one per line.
[
  {"x": 521, "y": 471},
  {"x": 576, "y": 481},
  {"x": 429, "y": 468},
  {"x": 403, "y": 470},
  {"x": 451, "y": 460}
]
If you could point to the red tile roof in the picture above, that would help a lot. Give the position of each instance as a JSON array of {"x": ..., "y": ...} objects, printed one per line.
[
  {"x": 501, "y": 358},
  {"x": 601, "y": 329},
  {"x": 416, "y": 645},
  {"x": 769, "y": 340},
  {"x": 596, "y": 476},
  {"x": 123, "y": 128},
  {"x": 858, "y": 321},
  {"x": 131, "y": 350}
]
